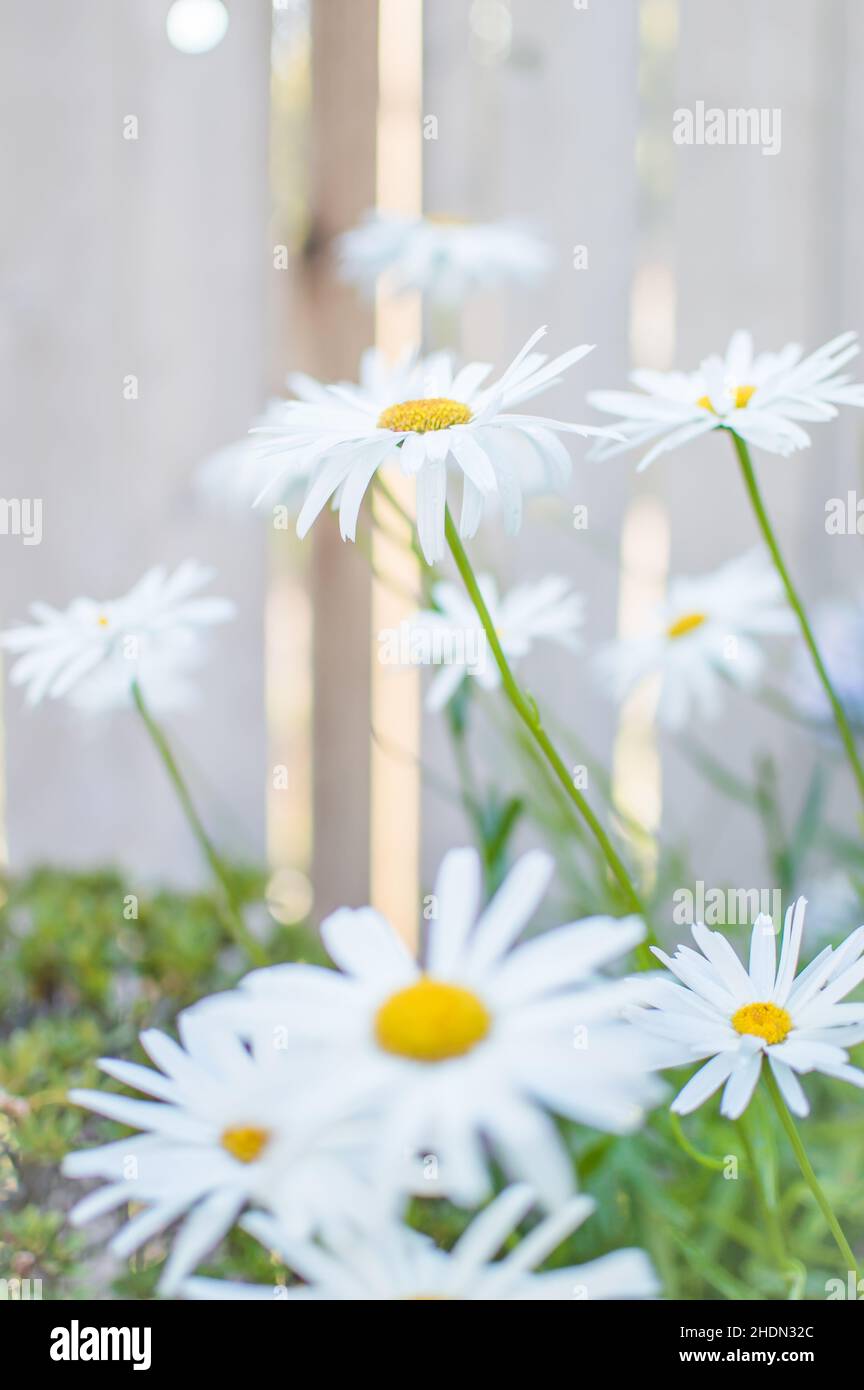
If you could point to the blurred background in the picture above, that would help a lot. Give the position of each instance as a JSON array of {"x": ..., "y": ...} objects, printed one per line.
[{"x": 172, "y": 195}]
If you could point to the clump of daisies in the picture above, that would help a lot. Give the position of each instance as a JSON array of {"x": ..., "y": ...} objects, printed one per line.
[
  {"x": 451, "y": 636},
  {"x": 229, "y": 1125},
  {"x": 446, "y": 258},
  {"x": 763, "y": 398},
  {"x": 421, "y": 416},
  {"x": 707, "y": 633},
  {"x": 475, "y": 1046},
  {"x": 93, "y": 652},
  {"x": 710, "y": 1005},
  {"x": 311, "y": 1095}
]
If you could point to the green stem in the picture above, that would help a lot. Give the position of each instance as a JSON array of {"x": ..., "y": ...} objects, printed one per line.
[
  {"x": 769, "y": 1211},
  {"x": 808, "y": 1174},
  {"x": 232, "y": 915},
  {"x": 530, "y": 716},
  {"x": 716, "y": 1165},
  {"x": 843, "y": 726}
]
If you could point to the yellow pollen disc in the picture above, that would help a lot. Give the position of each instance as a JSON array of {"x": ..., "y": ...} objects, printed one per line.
[
  {"x": 741, "y": 397},
  {"x": 245, "y": 1142},
  {"x": 766, "y": 1021},
  {"x": 436, "y": 413},
  {"x": 688, "y": 622},
  {"x": 102, "y": 620},
  {"x": 431, "y": 1021}
]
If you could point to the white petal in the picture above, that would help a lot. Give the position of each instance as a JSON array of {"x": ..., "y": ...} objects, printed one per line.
[
  {"x": 363, "y": 944},
  {"x": 625, "y": 1274},
  {"x": 706, "y": 1081},
  {"x": 203, "y": 1229},
  {"x": 431, "y": 503},
  {"x": 790, "y": 1088},
  {"x": 741, "y": 1085},
  {"x": 488, "y": 1231},
  {"x": 511, "y": 909},
  {"x": 793, "y": 928},
  {"x": 763, "y": 956},
  {"x": 457, "y": 894},
  {"x": 534, "y": 1248}
]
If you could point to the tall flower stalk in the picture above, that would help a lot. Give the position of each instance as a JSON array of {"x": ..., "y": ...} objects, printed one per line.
[
  {"x": 232, "y": 913},
  {"x": 808, "y": 1174},
  {"x": 843, "y": 726},
  {"x": 528, "y": 712}
]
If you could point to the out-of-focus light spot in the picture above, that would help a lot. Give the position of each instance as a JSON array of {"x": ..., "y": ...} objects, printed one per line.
[
  {"x": 289, "y": 896},
  {"x": 491, "y": 30},
  {"x": 658, "y": 23},
  {"x": 636, "y": 773},
  {"x": 652, "y": 317},
  {"x": 196, "y": 26}
]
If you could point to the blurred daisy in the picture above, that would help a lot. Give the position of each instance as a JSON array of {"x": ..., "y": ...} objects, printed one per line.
[
  {"x": 420, "y": 415},
  {"x": 224, "y": 1130},
  {"x": 94, "y": 651},
  {"x": 833, "y": 900},
  {"x": 839, "y": 627},
  {"x": 707, "y": 630},
  {"x": 396, "y": 1263},
  {"x": 452, "y": 636},
  {"x": 476, "y": 1045},
  {"x": 759, "y": 397},
  {"x": 737, "y": 1017},
  {"x": 233, "y": 478},
  {"x": 444, "y": 257}
]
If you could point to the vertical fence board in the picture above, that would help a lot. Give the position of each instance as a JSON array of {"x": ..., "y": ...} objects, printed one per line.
[{"x": 141, "y": 257}]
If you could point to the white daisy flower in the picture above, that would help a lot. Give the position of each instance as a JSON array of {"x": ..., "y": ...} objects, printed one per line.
[
  {"x": 228, "y": 1127},
  {"x": 452, "y": 636},
  {"x": 761, "y": 398},
  {"x": 396, "y": 1263},
  {"x": 737, "y": 1017},
  {"x": 444, "y": 257},
  {"x": 93, "y": 652},
  {"x": 420, "y": 415},
  {"x": 474, "y": 1046},
  {"x": 707, "y": 631}
]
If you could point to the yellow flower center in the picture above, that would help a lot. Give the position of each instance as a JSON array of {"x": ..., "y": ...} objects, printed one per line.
[
  {"x": 436, "y": 413},
  {"x": 245, "y": 1142},
  {"x": 431, "y": 1021},
  {"x": 102, "y": 620},
  {"x": 741, "y": 397},
  {"x": 688, "y": 622},
  {"x": 766, "y": 1021}
]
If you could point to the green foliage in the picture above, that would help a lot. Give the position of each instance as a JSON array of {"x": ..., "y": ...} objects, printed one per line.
[
  {"x": 79, "y": 980},
  {"x": 85, "y": 963}
]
